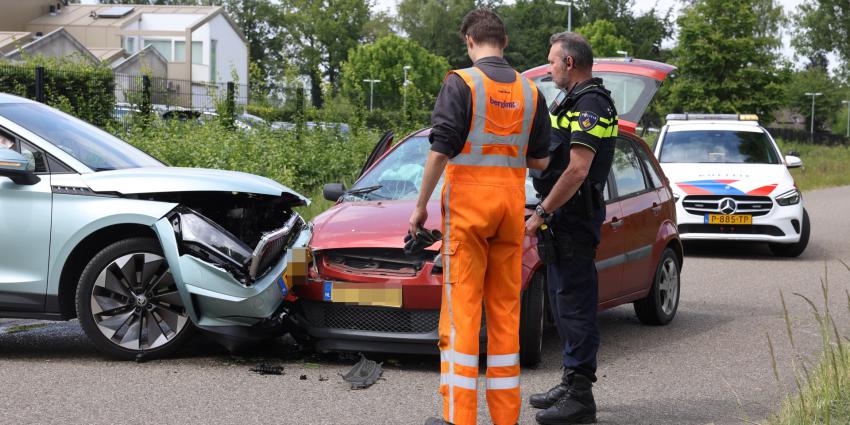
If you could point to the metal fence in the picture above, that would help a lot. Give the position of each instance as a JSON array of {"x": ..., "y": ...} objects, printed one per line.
[{"x": 800, "y": 136}]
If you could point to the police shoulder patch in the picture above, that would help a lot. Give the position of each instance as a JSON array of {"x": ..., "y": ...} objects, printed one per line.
[{"x": 587, "y": 120}]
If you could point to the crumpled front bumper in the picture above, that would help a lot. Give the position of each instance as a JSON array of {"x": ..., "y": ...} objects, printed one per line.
[{"x": 215, "y": 300}]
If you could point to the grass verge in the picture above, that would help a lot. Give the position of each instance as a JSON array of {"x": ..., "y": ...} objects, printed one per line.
[
  {"x": 824, "y": 388},
  {"x": 23, "y": 328},
  {"x": 823, "y": 166}
]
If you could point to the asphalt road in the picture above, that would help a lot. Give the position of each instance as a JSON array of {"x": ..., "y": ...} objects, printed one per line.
[{"x": 711, "y": 365}]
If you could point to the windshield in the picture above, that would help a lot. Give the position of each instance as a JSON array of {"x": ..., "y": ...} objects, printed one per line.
[
  {"x": 718, "y": 146},
  {"x": 400, "y": 174},
  {"x": 88, "y": 144},
  {"x": 631, "y": 93}
]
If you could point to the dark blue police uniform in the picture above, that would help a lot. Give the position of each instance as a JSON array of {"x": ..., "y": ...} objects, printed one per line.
[{"x": 589, "y": 119}]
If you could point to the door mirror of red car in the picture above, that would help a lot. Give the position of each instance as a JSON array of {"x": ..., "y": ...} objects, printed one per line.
[{"x": 333, "y": 191}]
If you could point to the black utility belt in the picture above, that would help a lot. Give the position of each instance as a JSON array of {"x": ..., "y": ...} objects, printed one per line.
[{"x": 555, "y": 246}]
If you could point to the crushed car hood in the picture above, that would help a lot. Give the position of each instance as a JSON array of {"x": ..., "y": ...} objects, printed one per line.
[
  {"x": 369, "y": 224},
  {"x": 174, "y": 179}
]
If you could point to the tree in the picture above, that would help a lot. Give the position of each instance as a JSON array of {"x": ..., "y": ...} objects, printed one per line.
[
  {"x": 823, "y": 26},
  {"x": 324, "y": 32},
  {"x": 435, "y": 25},
  {"x": 728, "y": 60},
  {"x": 384, "y": 60},
  {"x": 603, "y": 37},
  {"x": 829, "y": 112},
  {"x": 530, "y": 23}
]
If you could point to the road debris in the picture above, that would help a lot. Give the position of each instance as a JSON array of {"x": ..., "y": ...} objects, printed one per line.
[
  {"x": 267, "y": 369},
  {"x": 365, "y": 373}
]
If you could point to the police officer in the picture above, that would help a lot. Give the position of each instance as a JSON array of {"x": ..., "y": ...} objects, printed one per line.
[
  {"x": 489, "y": 125},
  {"x": 584, "y": 123}
]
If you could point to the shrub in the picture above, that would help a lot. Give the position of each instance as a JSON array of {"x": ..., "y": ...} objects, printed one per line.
[
  {"x": 83, "y": 90},
  {"x": 304, "y": 162}
]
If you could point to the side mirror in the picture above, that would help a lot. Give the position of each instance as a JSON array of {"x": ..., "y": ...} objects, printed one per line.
[
  {"x": 14, "y": 166},
  {"x": 793, "y": 153},
  {"x": 333, "y": 191},
  {"x": 793, "y": 161}
]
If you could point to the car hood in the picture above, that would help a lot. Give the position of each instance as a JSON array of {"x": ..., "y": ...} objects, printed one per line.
[
  {"x": 174, "y": 179},
  {"x": 728, "y": 179},
  {"x": 370, "y": 224}
]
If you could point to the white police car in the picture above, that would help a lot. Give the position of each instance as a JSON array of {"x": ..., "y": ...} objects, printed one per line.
[{"x": 730, "y": 182}]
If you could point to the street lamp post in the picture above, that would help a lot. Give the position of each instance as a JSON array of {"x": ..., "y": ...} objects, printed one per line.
[
  {"x": 847, "y": 102},
  {"x": 813, "y": 95},
  {"x": 624, "y": 53},
  {"x": 371, "y": 91},
  {"x": 404, "y": 90},
  {"x": 569, "y": 4}
]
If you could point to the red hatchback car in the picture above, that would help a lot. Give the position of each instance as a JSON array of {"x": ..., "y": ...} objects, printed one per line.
[{"x": 364, "y": 294}]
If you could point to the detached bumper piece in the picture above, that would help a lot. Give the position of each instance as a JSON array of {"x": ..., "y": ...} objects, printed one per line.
[{"x": 365, "y": 373}]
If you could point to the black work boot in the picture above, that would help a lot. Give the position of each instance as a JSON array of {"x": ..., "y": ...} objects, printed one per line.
[
  {"x": 548, "y": 399},
  {"x": 575, "y": 407},
  {"x": 436, "y": 421}
]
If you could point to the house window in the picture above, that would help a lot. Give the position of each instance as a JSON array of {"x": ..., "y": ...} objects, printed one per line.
[
  {"x": 162, "y": 46},
  {"x": 130, "y": 45},
  {"x": 213, "y": 66},
  {"x": 179, "y": 51},
  {"x": 197, "y": 52}
]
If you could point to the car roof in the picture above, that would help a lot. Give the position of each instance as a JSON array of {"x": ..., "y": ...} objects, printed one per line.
[
  {"x": 646, "y": 68},
  {"x": 10, "y": 98}
]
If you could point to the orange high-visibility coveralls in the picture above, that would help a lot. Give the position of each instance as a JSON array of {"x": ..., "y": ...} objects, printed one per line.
[{"x": 483, "y": 203}]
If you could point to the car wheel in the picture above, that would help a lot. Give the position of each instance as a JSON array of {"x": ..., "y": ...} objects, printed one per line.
[
  {"x": 128, "y": 303},
  {"x": 660, "y": 305},
  {"x": 531, "y": 321},
  {"x": 794, "y": 249}
]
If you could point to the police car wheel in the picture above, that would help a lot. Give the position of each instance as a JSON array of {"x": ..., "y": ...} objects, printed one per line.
[
  {"x": 531, "y": 321},
  {"x": 660, "y": 305},
  {"x": 128, "y": 303},
  {"x": 794, "y": 249}
]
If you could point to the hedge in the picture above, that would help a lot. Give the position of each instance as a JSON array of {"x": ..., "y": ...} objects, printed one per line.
[{"x": 83, "y": 90}]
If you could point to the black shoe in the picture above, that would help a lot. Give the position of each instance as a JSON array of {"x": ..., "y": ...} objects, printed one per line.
[
  {"x": 548, "y": 399},
  {"x": 436, "y": 421},
  {"x": 576, "y": 407}
]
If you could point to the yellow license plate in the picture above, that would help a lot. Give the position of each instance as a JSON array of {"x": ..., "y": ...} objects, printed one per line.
[{"x": 737, "y": 219}]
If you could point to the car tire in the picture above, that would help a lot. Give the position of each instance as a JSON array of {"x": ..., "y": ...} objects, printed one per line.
[
  {"x": 532, "y": 313},
  {"x": 794, "y": 249},
  {"x": 660, "y": 305},
  {"x": 128, "y": 304}
]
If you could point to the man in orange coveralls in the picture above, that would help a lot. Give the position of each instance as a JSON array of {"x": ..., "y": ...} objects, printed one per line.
[{"x": 489, "y": 125}]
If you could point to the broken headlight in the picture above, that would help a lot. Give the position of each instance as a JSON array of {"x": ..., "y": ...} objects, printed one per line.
[{"x": 210, "y": 241}]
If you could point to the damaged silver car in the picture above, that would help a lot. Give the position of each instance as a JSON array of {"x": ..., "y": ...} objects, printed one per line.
[{"x": 143, "y": 254}]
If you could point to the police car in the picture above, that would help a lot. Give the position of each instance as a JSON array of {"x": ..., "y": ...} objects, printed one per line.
[{"x": 731, "y": 182}]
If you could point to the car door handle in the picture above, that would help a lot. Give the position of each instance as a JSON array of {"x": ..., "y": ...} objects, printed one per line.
[
  {"x": 656, "y": 208},
  {"x": 616, "y": 223}
]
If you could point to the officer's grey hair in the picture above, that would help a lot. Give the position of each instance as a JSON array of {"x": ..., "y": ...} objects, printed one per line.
[{"x": 573, "y": 44}]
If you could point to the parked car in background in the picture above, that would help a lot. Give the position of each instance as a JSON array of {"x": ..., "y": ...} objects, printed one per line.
[
  {"x": 364, "y": 294},
  {"x": 732, "y": 183},
  {"x": 243, "y": 121},
  {"x": 143, "y": 254}
]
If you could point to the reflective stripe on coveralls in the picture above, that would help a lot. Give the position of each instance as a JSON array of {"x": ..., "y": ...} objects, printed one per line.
[{"x": 483, "y": 213}]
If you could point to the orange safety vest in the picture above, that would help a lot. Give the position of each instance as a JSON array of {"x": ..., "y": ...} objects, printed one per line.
[{"x": 483, "y": 212}]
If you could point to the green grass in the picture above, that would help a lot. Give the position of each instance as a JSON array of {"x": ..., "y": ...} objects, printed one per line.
[
  {"x": 823, "y": 388},
  {"x": 823, "y": 166},
  {"x": 24, "y": 328}
]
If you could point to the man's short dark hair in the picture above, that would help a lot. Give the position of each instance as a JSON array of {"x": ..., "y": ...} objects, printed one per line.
[
  {"x": 485, "y": 27},
  {"x": 573, "y": 44}
]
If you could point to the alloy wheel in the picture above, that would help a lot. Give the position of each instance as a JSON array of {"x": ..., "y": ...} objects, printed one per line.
[
  {"x": 668, "y": 285},
  {"x": 135, "y": 303}
]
